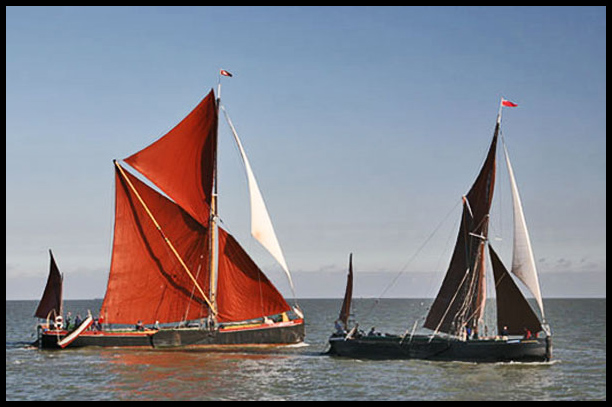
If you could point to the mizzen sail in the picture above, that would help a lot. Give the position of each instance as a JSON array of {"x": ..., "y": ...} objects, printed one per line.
[
  {"x": 345, "y": 310},
  {"x": 51, "y": 300}
]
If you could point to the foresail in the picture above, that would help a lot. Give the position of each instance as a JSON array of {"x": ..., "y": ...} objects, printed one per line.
[
  {"x": 51, "y": 300},
  {"x": 523, "y": 263},
  {"x": 261, "y": 225}
]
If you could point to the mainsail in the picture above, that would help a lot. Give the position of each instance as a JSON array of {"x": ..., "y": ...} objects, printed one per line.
[
  {"x": 460, "y": 301},
  {"x": 51, "y": 301},
  {"x": 146, "y": 280},
  {"x": 161, "y": 261}
]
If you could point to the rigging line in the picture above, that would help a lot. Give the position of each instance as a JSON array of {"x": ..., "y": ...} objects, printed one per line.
[
  {"x": 449, "y": 306},
  {"x": 460, "y": 319},
  {"x": 163, "y": 235},
  {"x": 193, "y": 289},
  {"x": 467, "y": 310},
  {"x": 418, "y": 251},
  {"x": 484, "y": 218}
]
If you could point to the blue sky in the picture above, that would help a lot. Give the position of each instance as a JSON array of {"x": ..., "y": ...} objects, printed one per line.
[{"x": 364, "y": 126}]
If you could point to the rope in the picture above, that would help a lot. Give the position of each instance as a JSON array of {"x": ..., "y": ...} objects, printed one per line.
[{"x": 414, "y": 256}]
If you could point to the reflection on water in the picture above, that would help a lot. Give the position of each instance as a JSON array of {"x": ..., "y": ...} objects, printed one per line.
[{"x": 198, "y": 375}]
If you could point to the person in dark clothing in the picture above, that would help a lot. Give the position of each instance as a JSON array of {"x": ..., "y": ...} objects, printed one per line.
[{"x": 68, "y": 321}]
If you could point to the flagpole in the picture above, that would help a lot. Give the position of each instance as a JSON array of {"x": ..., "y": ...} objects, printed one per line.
[
  {"x": 222, "y": 72},
  {"x": 502, "y": 103},
  {"x": 499, "y": 113}
]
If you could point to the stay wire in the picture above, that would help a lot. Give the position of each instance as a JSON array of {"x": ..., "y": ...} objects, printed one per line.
[{"x": 414, "y": 256}]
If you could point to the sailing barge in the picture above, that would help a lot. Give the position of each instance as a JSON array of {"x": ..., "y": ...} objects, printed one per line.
[
  {"x": 455, "y": 317},
  {"x": 174, "y": 269}
]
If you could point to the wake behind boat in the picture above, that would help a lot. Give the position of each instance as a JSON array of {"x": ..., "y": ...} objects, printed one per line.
[
  {"x": 175, "y": 272},
  {"x": 456, "y": 315}
]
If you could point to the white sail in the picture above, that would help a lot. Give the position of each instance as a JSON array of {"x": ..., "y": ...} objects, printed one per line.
[
  {"x": 261, "y": 225},
  {"x": 523, "y": 263}
]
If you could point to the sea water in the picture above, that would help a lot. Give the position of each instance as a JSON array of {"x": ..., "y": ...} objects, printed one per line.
[{"x": 303, "y": 372}]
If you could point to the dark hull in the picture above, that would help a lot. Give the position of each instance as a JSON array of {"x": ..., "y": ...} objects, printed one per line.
[
  {"x": 284, "y": 333},
  {"x": 261, "y": 334},
  {"x": 442, "y": 349},
  {"x": 49, "y": 339}
]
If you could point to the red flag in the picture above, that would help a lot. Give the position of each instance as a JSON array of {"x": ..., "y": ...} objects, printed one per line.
[
  {"x": 225, "y": 73},
  {"x": 508, "y": 103}
]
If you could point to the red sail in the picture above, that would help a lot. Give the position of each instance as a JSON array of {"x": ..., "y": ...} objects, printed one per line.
[
  {"x": 146, "y": 280},
  {"x": 182, "y": 162},
  {"x": 51, "y": 301},
  {"x": 243, "y": 291}
]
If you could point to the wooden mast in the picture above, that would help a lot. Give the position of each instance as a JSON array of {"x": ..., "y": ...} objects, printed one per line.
[
  {"x": 214, "y": 234},
  {"x": 214, "y": 239}
]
